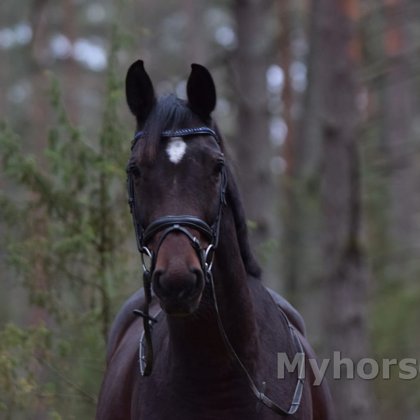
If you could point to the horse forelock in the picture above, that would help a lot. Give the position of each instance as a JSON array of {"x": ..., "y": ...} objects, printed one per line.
[{"x": 169, "y": 113}]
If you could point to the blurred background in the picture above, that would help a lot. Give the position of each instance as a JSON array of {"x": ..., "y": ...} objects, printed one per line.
[{"x": 319, "y": 103}]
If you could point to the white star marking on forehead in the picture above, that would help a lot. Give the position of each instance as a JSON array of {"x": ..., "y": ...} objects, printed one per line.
[{"x": 176, "y": 149}]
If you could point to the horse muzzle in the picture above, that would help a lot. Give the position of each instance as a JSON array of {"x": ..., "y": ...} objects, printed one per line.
[
  {"x": 178, "y": 269},
  {"x": 179, "y": 292}
]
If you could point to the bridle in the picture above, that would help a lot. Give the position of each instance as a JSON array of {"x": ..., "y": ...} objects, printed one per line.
[
  {"x": 181, "y": 224},
  {"x": 178, "y": 223},
  {"x": 167, "y": 225}
]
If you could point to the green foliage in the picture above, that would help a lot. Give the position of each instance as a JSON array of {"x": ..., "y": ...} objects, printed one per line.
[
  {"x": 20, "y": 351},
  {"x": 395, "y": 290},
  {"x": 66, "y": 228}
]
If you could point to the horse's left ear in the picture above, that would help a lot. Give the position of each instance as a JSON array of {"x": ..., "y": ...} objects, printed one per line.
[{"x": 201, "y": 91}]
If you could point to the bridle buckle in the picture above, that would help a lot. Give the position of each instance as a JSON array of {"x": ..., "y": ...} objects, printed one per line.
[
  {"x": 209, "y": 258},
  {"x": 145, "y": 251}
]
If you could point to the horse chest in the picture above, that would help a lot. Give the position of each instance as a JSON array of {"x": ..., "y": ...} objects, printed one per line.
[
  {"x": 184, "y": 399},
  {"x": 168, "y": 406},
  {"x": 182, "y": 406}
]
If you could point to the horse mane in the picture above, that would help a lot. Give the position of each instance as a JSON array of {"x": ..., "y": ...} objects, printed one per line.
[
  {"x": 233, "y": 198},
  {"x": 171, "y": 112}
]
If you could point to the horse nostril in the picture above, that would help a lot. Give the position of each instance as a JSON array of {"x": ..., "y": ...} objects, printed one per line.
[
  {"x": 198, "y": 273},
  {"x": 177, "y": 285},
  {"x": 157, "y": 287}
]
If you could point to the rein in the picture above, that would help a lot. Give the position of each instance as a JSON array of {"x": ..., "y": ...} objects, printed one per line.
[{"x": 182, "y": 224}]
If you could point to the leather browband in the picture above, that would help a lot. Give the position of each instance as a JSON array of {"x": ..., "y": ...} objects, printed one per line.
[{"x": 182, "y": 132}]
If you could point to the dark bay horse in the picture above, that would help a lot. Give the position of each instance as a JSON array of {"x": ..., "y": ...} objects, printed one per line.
[{"x": 201, "y": 340}]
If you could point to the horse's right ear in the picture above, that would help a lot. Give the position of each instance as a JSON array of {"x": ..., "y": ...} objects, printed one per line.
[{"x": 139, "y": 91}]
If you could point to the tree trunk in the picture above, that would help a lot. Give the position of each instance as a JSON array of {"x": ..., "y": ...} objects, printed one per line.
[
  {"x": 252, "y": 145},
  {"x": 399, "y": 135},
  {"x": 289, "y": 203},
  {"x": 306, "y": 270},
  {"x": 346, "y": 274}
]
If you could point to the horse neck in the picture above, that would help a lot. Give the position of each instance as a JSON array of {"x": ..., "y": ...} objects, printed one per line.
[{"x": 196, "y": 341}]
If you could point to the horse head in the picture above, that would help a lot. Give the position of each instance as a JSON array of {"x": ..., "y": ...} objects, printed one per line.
[{"x": 177, "y": 180}]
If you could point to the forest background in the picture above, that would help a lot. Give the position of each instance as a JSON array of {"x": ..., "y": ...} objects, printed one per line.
[{"x": 319, "y": 102}]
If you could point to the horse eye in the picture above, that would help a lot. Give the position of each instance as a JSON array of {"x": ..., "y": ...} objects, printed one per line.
[
  {"x": 134, "y": 170},
  {"x": 220, "y": 163}
]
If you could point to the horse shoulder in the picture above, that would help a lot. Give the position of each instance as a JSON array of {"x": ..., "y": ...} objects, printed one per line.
[
  {"x": 291, "y": 312},
  {"x": 322, "y": 402},
  {"x": 322, "y": 406},
  {"x": 123, "y": 321}
]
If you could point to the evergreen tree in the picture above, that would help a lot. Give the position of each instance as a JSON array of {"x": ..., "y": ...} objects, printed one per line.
[{"x": 65, "y": 243}]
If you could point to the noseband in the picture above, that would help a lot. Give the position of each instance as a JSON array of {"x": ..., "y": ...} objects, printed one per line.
[{"x": 182, "y": 224}]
